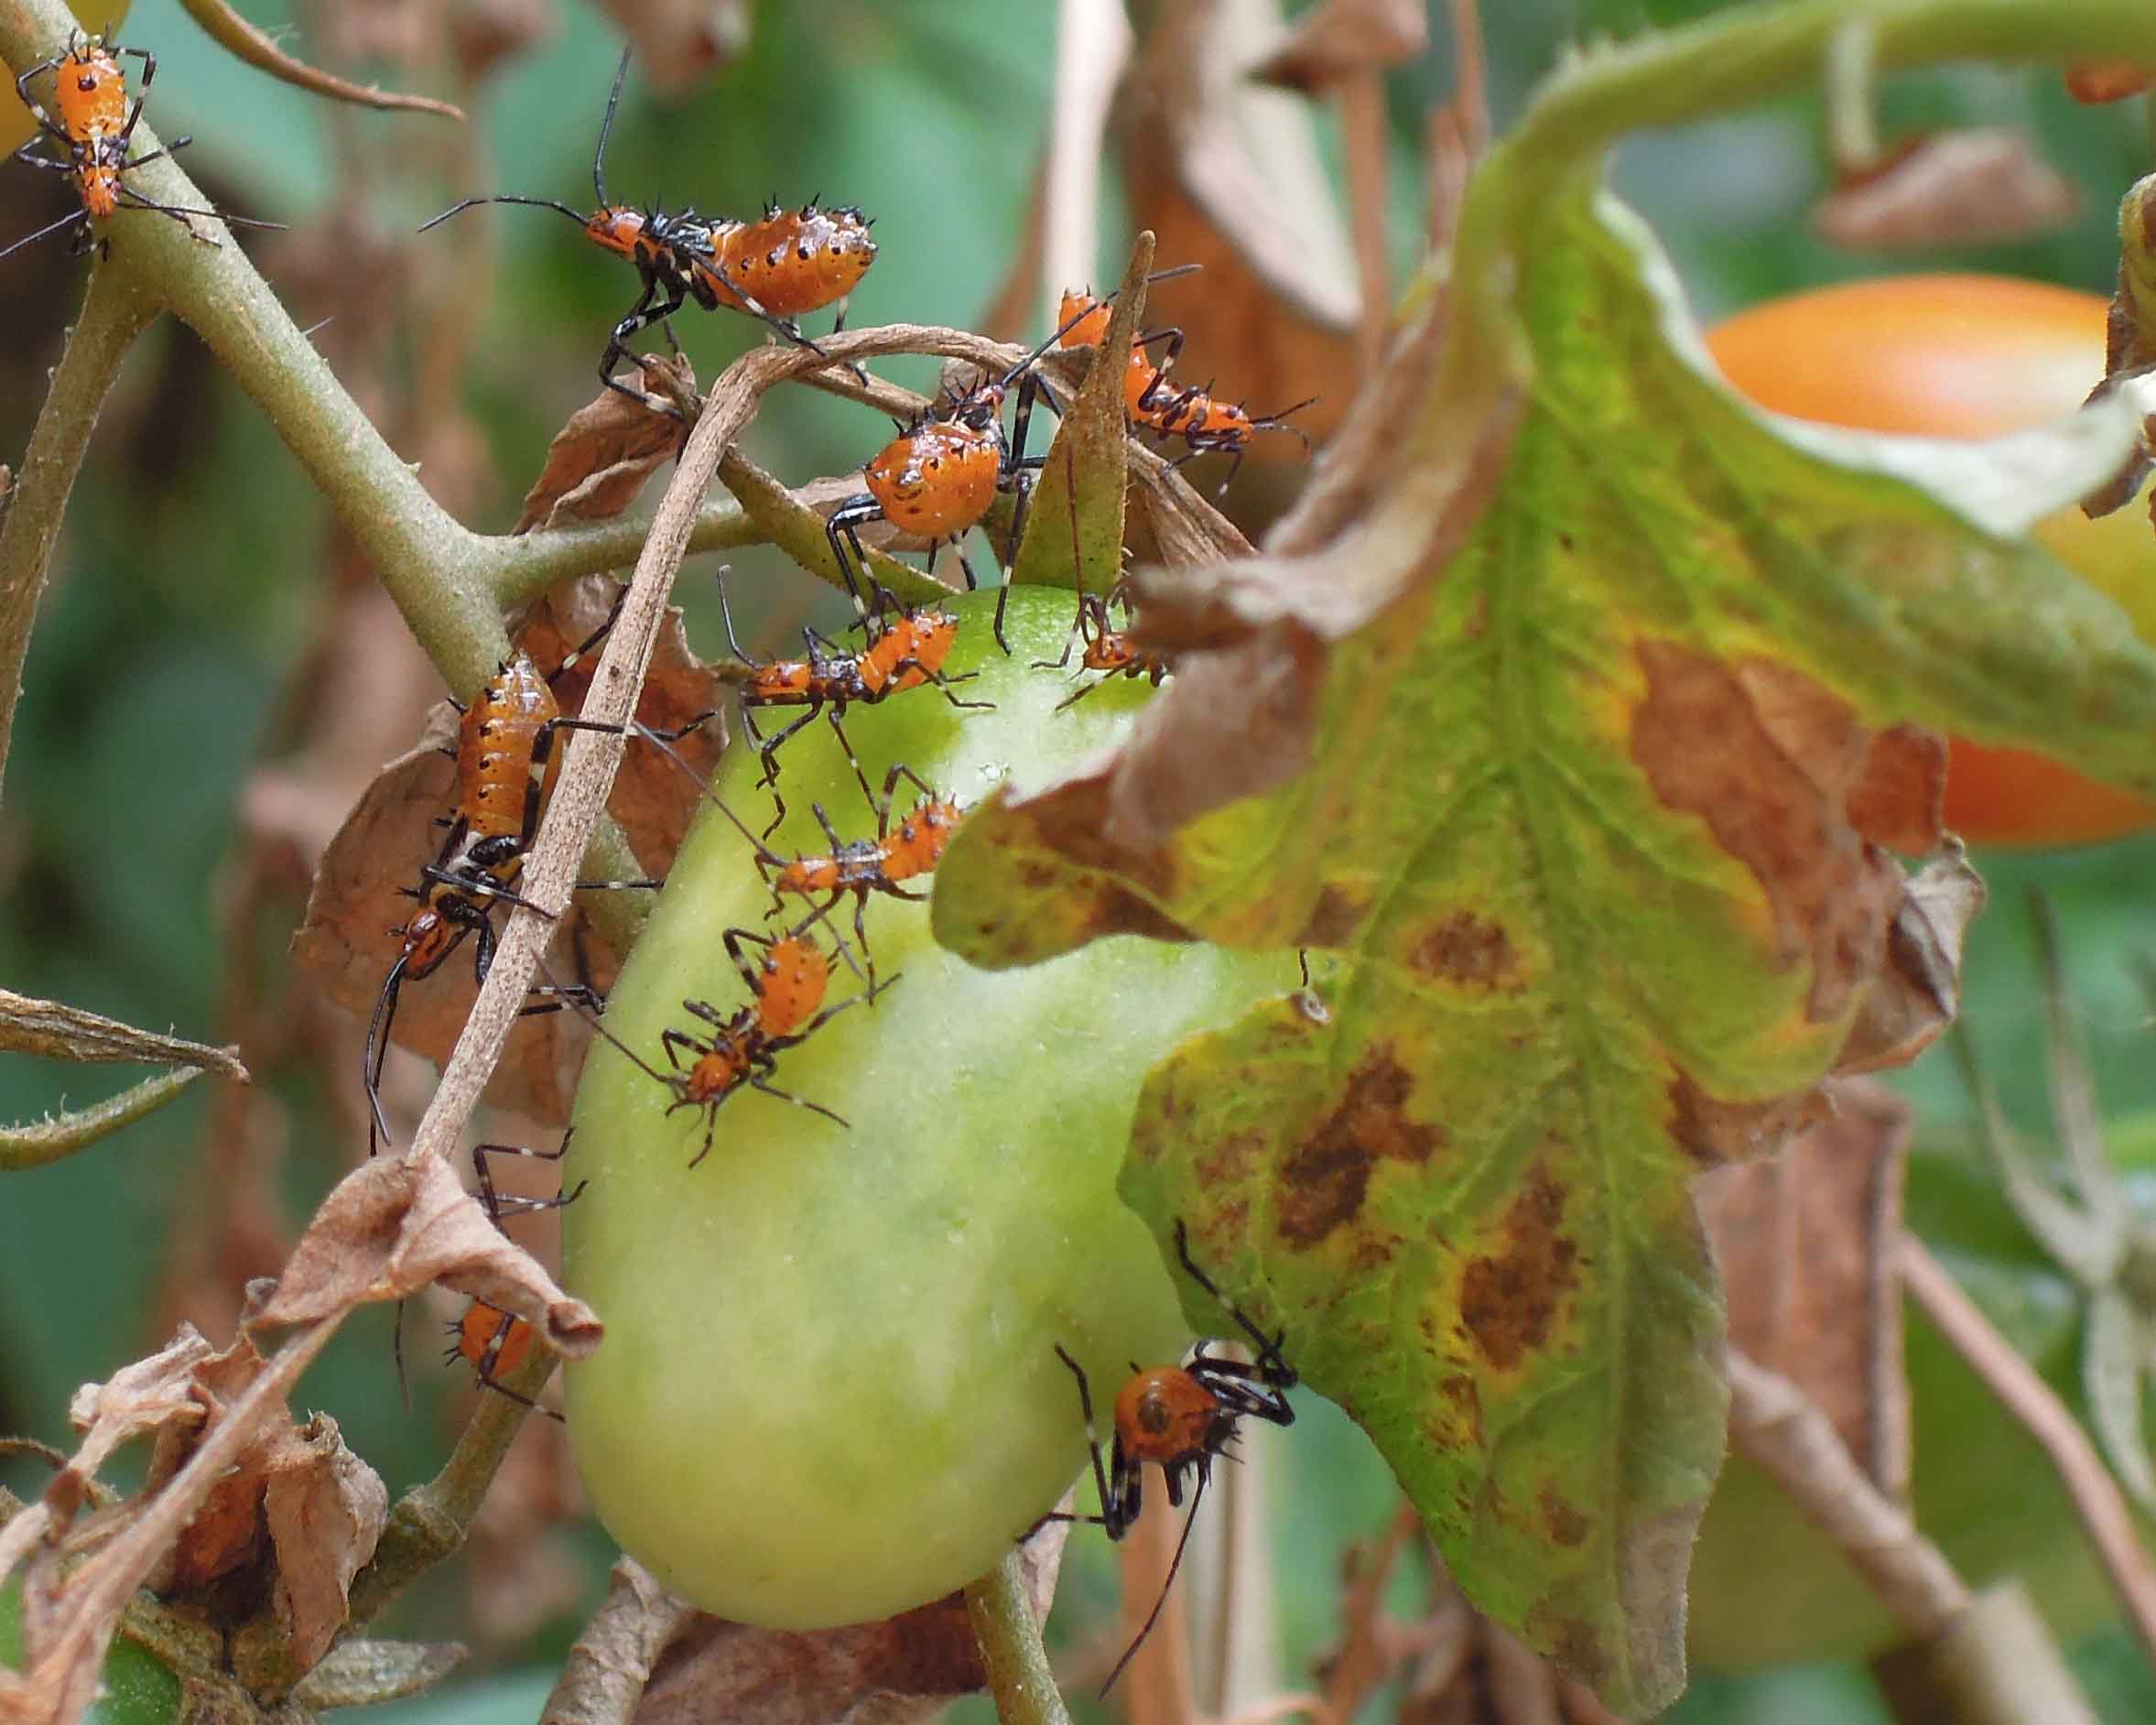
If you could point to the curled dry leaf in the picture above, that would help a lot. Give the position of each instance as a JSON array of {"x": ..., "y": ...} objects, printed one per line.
[
  {"x": 1962, "y": 188},
  {"x": 603, "y": 455},
  {"x": 398, "y": 1223},
  {"x": 2129, "y": 337},
  {"x": 295, "y": 1503},
  {"x": 361, "y": 889},
  {"x": 1805, "y": 1242},
  {"x": 906, "y": 1668},
  {"x": 324, "y": 1508},
  {"x": 361, "y": 1672}
]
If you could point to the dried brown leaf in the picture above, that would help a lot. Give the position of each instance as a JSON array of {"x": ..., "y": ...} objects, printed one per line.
[
  {"x": 1918, "y": 992},
  {"x": 600, "y": 458},
  {"x": 396, "y": 1224},
  {"x": 1950, "y": 189},
  {"x": 1805, "y": 1240},
  {"x": 324, "y": 1508},
  {"x": 906, "y": 1668}
]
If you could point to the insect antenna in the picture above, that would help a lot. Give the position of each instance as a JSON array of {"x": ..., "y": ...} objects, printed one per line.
[
  {"x": 1175, "y": 1563},
  {"x": 606, "y": 126},
  {"x": 502, "y": 197}
]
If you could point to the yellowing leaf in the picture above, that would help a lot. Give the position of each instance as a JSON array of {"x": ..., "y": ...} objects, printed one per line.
[{"x": 1578, "y": 744}]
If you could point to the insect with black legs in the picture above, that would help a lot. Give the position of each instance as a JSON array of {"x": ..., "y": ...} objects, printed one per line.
[
  {"x": 942, "y": 474},
  {"x": 906, "y": 649},
  {"x": 95, "y": 126},
  {"x": 740, "y": 1051},
  {"x": 492, "y": 1341},
  {"x": 860, "y": 866},
  {"x": 1112, "y": 651},
  {"x": 775, "y": 269},
  {"x": 507, "y": 766},
  {"x": 1177, "y": 1418},
  {"x": 1205, "y": 424}
]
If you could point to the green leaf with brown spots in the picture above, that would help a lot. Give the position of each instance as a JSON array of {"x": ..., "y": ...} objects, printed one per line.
[{"x": 1572, "y": 724}]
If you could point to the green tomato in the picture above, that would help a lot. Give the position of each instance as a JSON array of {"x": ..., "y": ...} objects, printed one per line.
[
  {"x": 138, "y": 1689},
  {"x": 829, "y": 1389},
  {"x": 1766, "y": 1588}
]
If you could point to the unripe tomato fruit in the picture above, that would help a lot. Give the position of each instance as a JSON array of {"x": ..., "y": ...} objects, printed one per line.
[
  {"x": 1966, "y": 356},
  {"x": 828, "y": 1390},
  {"x": 15, "y": 124}
]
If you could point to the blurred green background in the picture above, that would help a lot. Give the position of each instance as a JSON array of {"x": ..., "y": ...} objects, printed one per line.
[{"x": 172, "y": 661}]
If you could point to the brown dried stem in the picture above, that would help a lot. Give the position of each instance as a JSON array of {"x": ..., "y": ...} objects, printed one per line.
[
  {"x": 1782, "y": 1430},
  {"x": 2023, "y": 1393}
]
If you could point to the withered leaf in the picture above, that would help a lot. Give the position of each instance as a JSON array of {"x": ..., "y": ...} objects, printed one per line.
[
  {"x": 1966, "y": 187},
  {"x": 601, "y": 457},
  {"x": 398, "y": 1223},
  {"x": 324, "y": 1508},
  {"x": 1609, "y": 692},
  {"x": 1805, "y": 1242}
]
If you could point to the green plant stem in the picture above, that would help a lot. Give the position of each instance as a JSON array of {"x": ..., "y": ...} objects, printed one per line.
[
  {"x": 430, "y": 1523},
  {"x": 1018, "y": 1674},
  {"x": 520, "y": 568},
  {"x": 36, "y": 1144},
  {"x": 113, "y": 313}
]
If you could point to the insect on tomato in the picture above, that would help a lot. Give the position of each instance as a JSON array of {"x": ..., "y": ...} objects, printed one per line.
[{"x": 1970, "y": 356}]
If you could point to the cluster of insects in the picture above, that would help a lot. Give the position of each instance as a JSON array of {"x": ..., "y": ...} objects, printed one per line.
[
  {"x": 938, "y": 479},
  {"x": 92, "y": 132}
]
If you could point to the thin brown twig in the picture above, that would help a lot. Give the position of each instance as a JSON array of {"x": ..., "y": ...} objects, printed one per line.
[
  {"x": 1782, "y": 1429},
  {"x": 2022, "y": 1392},
  {"x": 257, "y": 48}
]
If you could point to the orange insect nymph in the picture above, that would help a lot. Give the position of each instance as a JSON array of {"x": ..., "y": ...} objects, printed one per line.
[
  {"x": 938, "y": 480},
  {"x": 910, "y": 651},
  {"x": 791, "y": 261},
  {"x": 501, "y": 761},
  {"x": 1177, "y": 1418},
  {"x": 90, "y": 89},
  {"x": 1167, "y": 1417},
  {"x": 790, "y": 985},
  {"x": 491, "y": 1340}
]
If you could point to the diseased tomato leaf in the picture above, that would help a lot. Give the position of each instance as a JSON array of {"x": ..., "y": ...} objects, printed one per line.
[{"x": 1574, "y": 747}]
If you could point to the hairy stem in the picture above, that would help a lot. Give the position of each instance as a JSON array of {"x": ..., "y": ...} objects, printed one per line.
[
  {"x": 35, "y": 1145},
  {"x": 1018, "y": 1674},
  {"x": 113, "y": 313}
]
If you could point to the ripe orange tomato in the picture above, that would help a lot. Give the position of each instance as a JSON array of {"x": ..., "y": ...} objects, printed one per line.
[{"x": 1964, "y": 356}]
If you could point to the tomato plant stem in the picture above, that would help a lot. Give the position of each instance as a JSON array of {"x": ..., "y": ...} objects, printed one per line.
[
  {"x": 114, "y": 312},
  {"x": 1018, "y": 1674}
]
